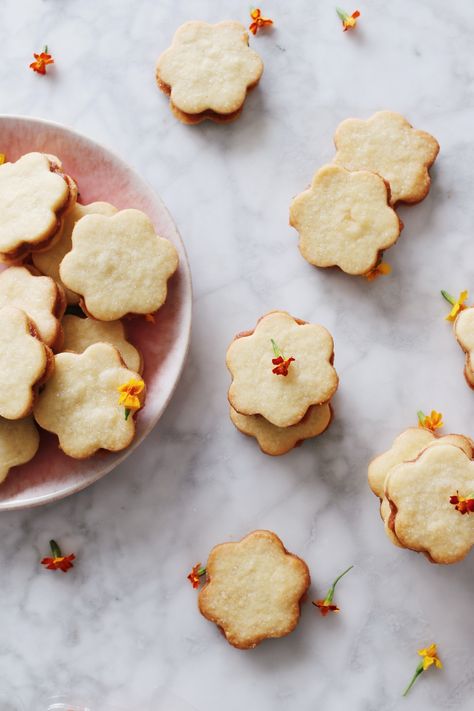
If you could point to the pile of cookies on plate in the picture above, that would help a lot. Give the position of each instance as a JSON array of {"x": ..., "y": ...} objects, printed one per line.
[
  {"x": 72, "y": 272},
  {"x": 346, "y": 218},
  {"x": 425, "y": 484},
  {"x": 283, "y": 379}
]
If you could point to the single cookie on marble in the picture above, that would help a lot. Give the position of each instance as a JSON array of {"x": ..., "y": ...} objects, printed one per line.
[
  {"x": 208, "y": 70},
  {"x": 388, "y": 145},
  {"x": 35, "y": 195},
  {"x": 81, "y": 403},
  {"x": 118, "y": 265},
  {"x": 80, "y": 333},
  {"x": 19, "y": 442},
  {"x": 25, "y": 363},
  {"x": 40, "y": 297},
  {"x": 281, "y": 368},
  {"x": 344, "y": 219},
  {"x": 280, "y": 440},
  {"x": 254, "y": 589},
  {"x": 423, "y": 516},
  {"x": 406, "y": 447},
  {"x": 47, "y": 262}
]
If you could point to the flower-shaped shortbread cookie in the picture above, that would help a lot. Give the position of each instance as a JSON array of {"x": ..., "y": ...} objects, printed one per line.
[
  {"x": 80, "y": 403},
  {"x": 80, "y": 333},
  {"x": 344, "y": 220},
  {"x": 388, "y": 145},
  {"x": 48, "y": 262},
  {"x": 34, "y": 194},
  {"x": 39, "y": 297},
  {"x": 464, "y": 332},
  {"x": 282, "y": 399},
  {"x": 254, "y": 589},
  {"x": 280, "y": 440},
  {"x": 208, "y": 71},
  {"x": 25, "y": 362},
  {"x": 406, "y": 447},
  {"x": 19, "y": 442},
  {"x": 118, "y": 265},
  {"x": 419, "y": 492}
]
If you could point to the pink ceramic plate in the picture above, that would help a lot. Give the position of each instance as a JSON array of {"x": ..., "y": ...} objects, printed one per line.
[{"x": 100, "y": 175}]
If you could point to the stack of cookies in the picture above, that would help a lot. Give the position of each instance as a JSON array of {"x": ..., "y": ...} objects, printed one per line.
[
  {"x": 282, "y": 381},
  {"x": 425, "y": 484},
  {"x": 346, "y": 218},
  {"x": 76, "y": 375}
]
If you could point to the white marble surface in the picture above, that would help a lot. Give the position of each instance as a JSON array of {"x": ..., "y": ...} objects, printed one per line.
[{"x": 124, "y": 623}]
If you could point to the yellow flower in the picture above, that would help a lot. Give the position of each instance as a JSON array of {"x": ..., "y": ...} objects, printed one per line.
[
  {"x": 431, "y": 422},
  {"x": 382, "y": 269},
  {"x": 2, "y": 158},
  {"x": 458, "y": 305},
  {"x": 430, "y": 656},
  {"x": 129, "y": 393}
]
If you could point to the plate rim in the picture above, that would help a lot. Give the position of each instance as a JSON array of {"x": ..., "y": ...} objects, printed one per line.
[{"x": 44, "y": 499}]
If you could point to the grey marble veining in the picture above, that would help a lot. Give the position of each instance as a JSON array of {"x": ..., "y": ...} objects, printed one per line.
[{"x": 124, "y": 623}]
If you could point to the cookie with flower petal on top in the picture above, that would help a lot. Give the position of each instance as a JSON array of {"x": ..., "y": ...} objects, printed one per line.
[
  {"x": 90, "y": 400},
  {"x": 254, "y": 589},
  {"x": 25, "y": 363},
  {"x": 388, "y": 145},
  {"x": 281, "y": 368},
  {"x": 280, "y": 440},
  {"x": 464, "y": 333},
  {"x": 208, "y": 71},
  {"x": 80, "y": 333},
  {"x": 47, "y": 262},
  {"x": 344, "y": 219},
  {"x": 424, "y": 516},
  {"x": 19, "y": 442},
  {"x": 35, "y": 194},
  {"x": 406, "y": 447},
  {"x": 118, "y": 265},
  {"x": 39, "y": 297}
]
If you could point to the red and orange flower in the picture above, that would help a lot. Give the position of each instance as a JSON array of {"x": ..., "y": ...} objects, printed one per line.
[
  {"x": 196, "y": 574},
  {"x": 463, "y": 504},
  {"x": 42, "y": 60},
  {"x": 282, "y": 364},
  {"x": 326, "y": 606},
  {"x": 258, "y": 21},
  {"x": 58, "y": 561}
]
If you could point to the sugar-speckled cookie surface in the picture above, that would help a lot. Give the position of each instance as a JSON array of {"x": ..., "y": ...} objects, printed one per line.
[
  {"x": 388, "y": 145},
  {"x": 419, "y": 493},
  {"x": 24, "y": 363},
  {"x": 118, "y": 265},
  {"x": 33, "y": 195},
  {"x": 280, "y": 440},
  {"x": 19, "y": 442},
  {"x": 48, "y": 262},
  {"x": 80, "y": 333},
  {"x": 282, "y": 400},
  {"x": 344, "y": 220},
  {"x": 254, "y": 589},
  {"x": 39, "y": 297},
  {"x": 208, "y": 71},
  {"x": 80, "y": 403}
]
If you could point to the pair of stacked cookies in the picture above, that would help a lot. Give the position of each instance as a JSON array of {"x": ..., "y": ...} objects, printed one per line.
[
  {"x": 347, "y": 218},
  {"x": 75, "y": 374},
  {"x": 282, "y": 381},
  {"x": 425, "y": 483},
  {"x": 464, "y": 332},
  {"x": 208, "y": 71}
]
